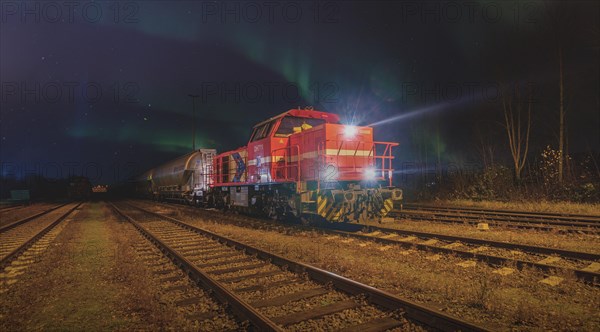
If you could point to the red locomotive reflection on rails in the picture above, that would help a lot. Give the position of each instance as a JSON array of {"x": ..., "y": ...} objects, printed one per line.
[{"x": 302, "y": 164}]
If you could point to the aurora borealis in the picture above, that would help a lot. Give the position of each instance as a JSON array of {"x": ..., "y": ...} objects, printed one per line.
[{"x": 367, "y": 61}]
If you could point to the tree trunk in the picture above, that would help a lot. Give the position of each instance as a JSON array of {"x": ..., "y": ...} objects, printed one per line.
[
  {"x": 516, "y": 132},
  {"x": 561, "y": 115}
]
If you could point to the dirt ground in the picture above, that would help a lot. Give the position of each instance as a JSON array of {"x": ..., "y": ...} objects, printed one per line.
[{"x": 88, "y": 280}]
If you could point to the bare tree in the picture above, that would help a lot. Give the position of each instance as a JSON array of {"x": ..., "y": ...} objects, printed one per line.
[
  {"x": 561, "y": 117},
  {"x": 484, "y": 144},
  {"x": 517, "y": 132},
  {"x": 560, "y": 18}
]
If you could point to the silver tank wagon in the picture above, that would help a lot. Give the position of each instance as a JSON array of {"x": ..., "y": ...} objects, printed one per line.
[{"x": 185, "y": 178}]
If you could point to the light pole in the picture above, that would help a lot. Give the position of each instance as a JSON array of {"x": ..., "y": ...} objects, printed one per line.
[{"x": 193, "y": 120}]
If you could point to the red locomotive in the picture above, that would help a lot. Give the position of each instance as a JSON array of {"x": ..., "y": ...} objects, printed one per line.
[{"x": 301, "y": 163}]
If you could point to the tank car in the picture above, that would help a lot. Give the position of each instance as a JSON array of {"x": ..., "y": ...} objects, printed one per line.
[
  {"x": 186, "y": 179},
  {"x": 306, "y": 164}
]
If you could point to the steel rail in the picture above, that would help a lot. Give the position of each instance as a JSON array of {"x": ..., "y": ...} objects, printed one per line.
[
  {"x": 238, "y": 306},
  {"x": 483, "y": 216},
  {"x": 498, "y": 244},
  {"x": 539, "y": 225},
  {"x": 592, "y": 278},
  {"x": 6, "y": 260},
  {"x": 24, "y": 220},
  {"x": 414, "y": 311},
  {"x": 526, "y": 215},
  {"x": 11, "y": 208},
  {"x": 539, "y": 215}
]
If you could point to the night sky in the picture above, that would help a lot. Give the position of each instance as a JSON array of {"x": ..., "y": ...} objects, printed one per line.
[{"x": 102, "y": 87}]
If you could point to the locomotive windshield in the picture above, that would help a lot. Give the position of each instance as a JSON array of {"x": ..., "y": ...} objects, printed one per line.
[{"x": 292, "y": 124}]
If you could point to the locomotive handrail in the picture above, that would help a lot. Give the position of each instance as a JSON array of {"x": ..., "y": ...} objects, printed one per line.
[
  {"x": 387, "y": 155},
  {"x": 372, "y": 157}
]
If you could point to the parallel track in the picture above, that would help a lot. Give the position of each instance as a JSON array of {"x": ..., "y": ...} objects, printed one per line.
[
  {"x": 16, "y": 223},
  {"x": 503, "y": 218},
  {"x": 581, "y": 264},
  {"x": 501, "y": 212},
  {"x": 211, "y": 259},
  {"x": 10, "y": 208},
  {"x": 26, "y": 234}
]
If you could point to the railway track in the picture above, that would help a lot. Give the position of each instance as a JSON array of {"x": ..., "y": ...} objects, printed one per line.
[
  {"x": 12, "y": 224},
  {"x": 28, "y": 238},
  {"x": 192, "y": 302},
  {"x": 585, "y": 266},
  {"x": 502, "y": 218},
  {"x": 11, "y": 207},
  {"x": 20, "y": 235},
  {"x": 275, "y": 293},
  {"x": 535, "y": 215}
]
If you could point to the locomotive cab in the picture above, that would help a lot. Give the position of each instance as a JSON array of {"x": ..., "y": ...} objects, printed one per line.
[{"x": 272, "y": 157}]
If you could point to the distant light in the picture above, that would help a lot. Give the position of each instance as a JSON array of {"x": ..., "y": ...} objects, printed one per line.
[
  {"x": 370, "y": 174},
  {"x": 350, "y": 131}
]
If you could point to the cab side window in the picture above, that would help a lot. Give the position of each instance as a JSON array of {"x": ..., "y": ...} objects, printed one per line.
[{"x": 262, "y": 131}]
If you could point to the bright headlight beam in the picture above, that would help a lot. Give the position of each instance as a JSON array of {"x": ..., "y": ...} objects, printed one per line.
[
  {"x": 350, "y": 131},
  {"x": 421, "y": 111},
  {"x": 407, "y": 115},
  {"x": 370, "y": 174}
]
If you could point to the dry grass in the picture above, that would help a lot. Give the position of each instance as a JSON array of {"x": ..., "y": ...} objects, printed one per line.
[
  {"x": 67, "y": 288},
  {"x": 534, "y": 206}
]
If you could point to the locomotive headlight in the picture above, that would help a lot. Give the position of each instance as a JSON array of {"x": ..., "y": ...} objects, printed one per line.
[
  {"x": 370, "y": 174},
  {"x": 350, "y": 131}
]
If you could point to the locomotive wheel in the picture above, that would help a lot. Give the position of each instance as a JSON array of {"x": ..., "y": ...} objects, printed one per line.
[
  {"x": 304, "y": 221},
  {"x": 272, "y": 212},
  {"x": 308, "y": 219}
]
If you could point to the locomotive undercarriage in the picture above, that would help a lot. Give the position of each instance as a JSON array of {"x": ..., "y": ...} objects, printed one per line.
[
  {"x": 347, "y": 202},
  {"x": 356, "y": 203}
]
